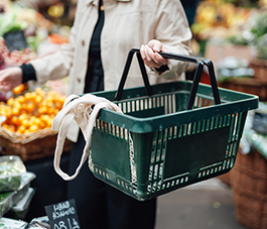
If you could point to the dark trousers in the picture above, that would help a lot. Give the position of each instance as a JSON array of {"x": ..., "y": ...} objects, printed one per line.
[{"x": 100, "y": 206}]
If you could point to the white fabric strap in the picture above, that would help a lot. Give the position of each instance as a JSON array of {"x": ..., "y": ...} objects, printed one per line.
[{"x": 78, "y": 109}]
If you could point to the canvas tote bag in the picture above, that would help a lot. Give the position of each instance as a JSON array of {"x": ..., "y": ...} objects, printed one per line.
[{"x": 84, "y": 110}]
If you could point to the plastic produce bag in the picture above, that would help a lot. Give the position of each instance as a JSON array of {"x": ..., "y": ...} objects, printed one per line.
[
  {"x": 40, "y": 223},
  {"x": 11, "y": 168},
  {"x": 9, "y": 199}
]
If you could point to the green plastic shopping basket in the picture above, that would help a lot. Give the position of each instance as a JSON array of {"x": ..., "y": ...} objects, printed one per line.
[{"x": 171, "y": 135}]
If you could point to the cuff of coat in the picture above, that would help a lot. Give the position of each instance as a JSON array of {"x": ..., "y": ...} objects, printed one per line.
[
  {"x": 28, "y": 73},
  {"x": 163, "y": 68}
]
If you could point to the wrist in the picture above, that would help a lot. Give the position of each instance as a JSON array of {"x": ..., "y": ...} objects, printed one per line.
[
  {"x": 28, "y": 73},
  {"x": 163, "y": 68}
]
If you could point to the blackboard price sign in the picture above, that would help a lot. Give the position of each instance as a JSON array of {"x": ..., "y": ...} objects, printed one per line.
[
  {"x": 63, "y": 215},
  {"x": 15, "y": 40}
]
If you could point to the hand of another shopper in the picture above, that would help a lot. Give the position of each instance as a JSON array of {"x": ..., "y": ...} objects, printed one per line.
[
  {"x": 10, "y": 78},
  {"x": 150, "y": 54}
]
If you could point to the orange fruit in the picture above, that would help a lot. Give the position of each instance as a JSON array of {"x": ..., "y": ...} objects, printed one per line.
[
  {"x": 33, "y": 128},
  {"x": 58, "y": 104},
  {"x": 21, "y": 129},
  {"x": 10, "y": 101},
  {"x": 44, "y": 118},
  {"x": 17, "y": 90},
  {"x": 15, "y": 121},
  {"x": 38, "y": 99},
  {"x": 21, "y": 99},
  {"x": 22, "y": 117},
  {"x": 27, "y": 96},
  {"x": 56, "y": 111},
  {"x": 42, "y": 124},
  {"x": 15, "y": 111},
  {"x": 39, "y": 122},
  {"x": 50, "y": 110},
  {"x": 39, "y": 91},
  {"x": 50, "y": 104},
  {"x": 49, "y": 122},
  {"x": 30, "y": 107},
  {"x": 25, "y": 123},
  {"x": 42, "y": 110}
]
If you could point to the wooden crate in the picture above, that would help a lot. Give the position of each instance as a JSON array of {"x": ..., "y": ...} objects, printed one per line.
[
  {"x": 32, "y": 146},
  {"x": 249, "y": 183},
  {"x": 247, "y": 85}
]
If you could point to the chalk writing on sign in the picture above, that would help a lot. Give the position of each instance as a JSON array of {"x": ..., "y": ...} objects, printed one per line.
[{"x": 63, "y": 215}]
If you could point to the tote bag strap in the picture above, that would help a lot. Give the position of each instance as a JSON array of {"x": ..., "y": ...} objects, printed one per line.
[{"x": 63, "y": 120}]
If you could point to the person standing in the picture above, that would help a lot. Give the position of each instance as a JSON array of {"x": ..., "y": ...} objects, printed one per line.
[{"x": 101, "y": 37}]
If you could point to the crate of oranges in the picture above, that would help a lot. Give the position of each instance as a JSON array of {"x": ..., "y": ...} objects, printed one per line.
[{"x": 28, "y": 115}]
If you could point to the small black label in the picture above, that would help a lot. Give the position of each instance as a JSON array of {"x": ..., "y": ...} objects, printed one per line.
[
  {"x": 15, "y": 40},
  {"x": 63, "y": 215}
]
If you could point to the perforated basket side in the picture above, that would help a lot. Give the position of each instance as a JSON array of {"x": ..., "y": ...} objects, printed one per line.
[{"x": 195, "y": 145}]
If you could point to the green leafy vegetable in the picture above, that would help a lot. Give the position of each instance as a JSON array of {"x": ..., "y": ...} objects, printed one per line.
[
  {"x": 260, "y": 26},
  {"x": 11, "y": 169},
  {"x": 8, "y": 23},
  {"x": 4, "y": 195}
]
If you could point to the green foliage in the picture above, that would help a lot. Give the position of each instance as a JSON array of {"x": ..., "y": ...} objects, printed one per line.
[
  {"x": 9, "y": 183},
  {"x": 238, "y": 40},
  {"x": 33, "y": 42},
  {"x": 9, "y": 176},
  {"x": 8, "y": 24},
  {"x": 260, "y": 26},
  {"x": 261, "y": 45}
]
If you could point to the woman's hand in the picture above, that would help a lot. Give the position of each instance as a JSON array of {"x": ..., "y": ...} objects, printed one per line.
[
  {"x": 10, "y": 78},
  {"x": 150, "y": 56}
]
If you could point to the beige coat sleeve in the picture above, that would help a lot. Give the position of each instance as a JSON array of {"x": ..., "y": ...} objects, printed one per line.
[
  {"x": 57, "y": 65},
  {"x": 173, "y": 31}
]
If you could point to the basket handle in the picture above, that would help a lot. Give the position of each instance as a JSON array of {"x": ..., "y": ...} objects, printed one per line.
[
  {"x": 126, "y": 70},
  {"x": 200, "y": 64}
]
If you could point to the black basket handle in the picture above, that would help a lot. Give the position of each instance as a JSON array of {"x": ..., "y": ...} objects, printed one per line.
[{"x": 200, "y": 64}]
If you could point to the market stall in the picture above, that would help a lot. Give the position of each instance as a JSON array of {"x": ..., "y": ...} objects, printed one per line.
[
  {"x": 235, "y": 39},
  {"x": 235, "y": 29},
  {"x": 27, "y": 112},
  {"x": 221, "y": 30}
]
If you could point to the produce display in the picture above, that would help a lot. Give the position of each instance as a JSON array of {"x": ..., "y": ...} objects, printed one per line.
[
  {"x": 9, "y": 199},
  {"x": 11, "y": 223},
  {"x": 15, "y": 57},
  {"x": 37, "y": 35},
  {"x": 219, "y": 19},
  {"x": 11, "y": 168},
  {"x": 14, "y": 21},
  {"x": 31, "y": 111},
  {"x": 28, "y": 109},
  {"x": 234, "y": 28},
  {"x": 227, "y": 18},
  {"x": 19, "y": 210}
]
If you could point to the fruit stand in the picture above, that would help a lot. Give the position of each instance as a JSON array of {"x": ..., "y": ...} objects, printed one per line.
[
  {"x": 236, "y": 32},
  {"x": 30, "y": 108},
  {"x": 27, "y": 112}
]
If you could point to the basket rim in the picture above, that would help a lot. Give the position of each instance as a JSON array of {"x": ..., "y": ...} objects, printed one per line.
[
  {"x": 242, "y": 103},
  {"x": 170, "y": 87}
]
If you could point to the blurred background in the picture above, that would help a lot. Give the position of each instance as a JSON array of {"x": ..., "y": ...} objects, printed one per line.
[{"x": 231, "y": 33}]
